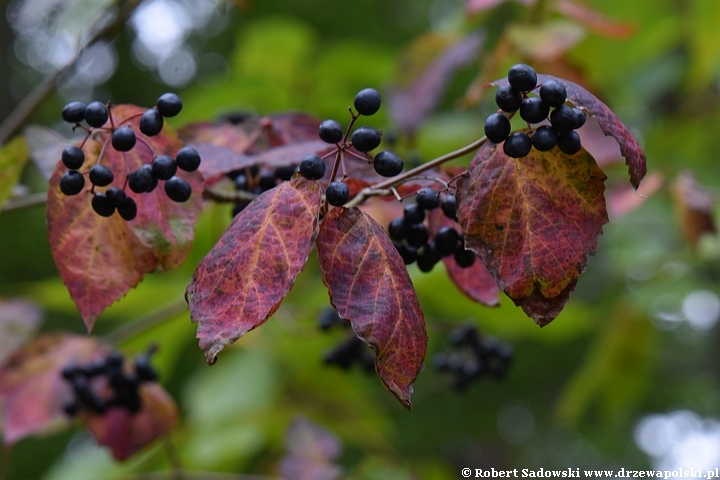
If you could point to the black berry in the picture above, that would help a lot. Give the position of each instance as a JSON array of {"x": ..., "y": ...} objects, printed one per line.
[
  {"x": 73, "y": 112},
  {"x": 544, "y": 138},
  {"x": 517, "y": 145},
  {"x": 330, "y": 131},
  {"x": 100, "y": 175},
  {"x": 553, "y": 93},
  {"x": 312, "y": 167},
  {"x": 151, "y": 122},
  {"x": 241, "y": 182},
  {"x": 116, "y": 195},
  {"x": 329, "y": 318},
  {"x": 144, "y": 370},
  {"x": 367, "y": 101},
  {"x": 534, "y": 110},
  {"x": 449, "y": 207},
  {"x": 464, "y": 258},
  {"x": 581, "y": 117},
  {"x": 522, "y": 77},
  {"x": 397, "y": 229},
  {"x": 413, "y": 213},
  {"x": 446, "y": 239},
  {"x": 268, "y": 179},
  {"x": 428, "y": 198},
  {"x": 508, "y": 99},
  {"x": 73, "y": 157},
  {"x": 337, "y": 194},
  {"x": 387, "y": 164},
  {"x": 407, "y": 253},
  {"x": 497, "y": 127},
  {"x": 563, "y": 118},
  {"x": 177, "y": 189},
  {"x": 72, "y": 182},
  {"x": 163, "y": 167},
  {"x": 96, "y": 114},
  {"x": 365, "y": 139},
  {"x": 417, "y": 235},
  {"x": 127, "y": 209},
  {"x": 142, "y": 180},
  {"x": 428, "y": 257},
  {"x": 102, "y": 205},
  {"x": 123, "y": 139},
  {"x": 285, "y": 172},
  {"x": 169, "y": 104},
  {"x": 187, "y": 159},
  {"x": 569, "y": 142}
]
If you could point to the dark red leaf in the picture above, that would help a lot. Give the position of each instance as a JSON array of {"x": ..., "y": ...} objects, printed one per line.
[
  {"x": 370, "y": 287},
  {"x": 533, "y": 221},
  {"x": 243, "y": 279},
  {"x": 310, "y": 453},
  {"x": 694, "y": 207},
  {"x": 19, "y": 319},
  {"x": 609, "y": 123},
  {"x": 99, "y": 258}
]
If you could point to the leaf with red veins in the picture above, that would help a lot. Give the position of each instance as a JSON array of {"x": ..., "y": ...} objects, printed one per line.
[
  {"x": 609, "y": 123},
  {"x": 32, "y": 389},
  {"x": 100, "y": 259},
  {"x": 370, "y": 287},
  {"x": 237, "y": 138},
  {"x": 126, "y": 433},
  {"x": 289, "y": 127},
  {"x": 241, "y": 282},
  {"x": 533, "y": 221}
]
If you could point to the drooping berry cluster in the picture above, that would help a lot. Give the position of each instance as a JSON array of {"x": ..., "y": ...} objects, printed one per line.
[
  {"x": 104, "y": 384},
  {"x": 510, "y": 98},
  {"x": 472, "y": 357},
  {"x": 123, "y": 139},
  {"x": 351, "y": 350},
  {"x": 412, "y": 238},
  {"x": 256, "y": 180},
  {"x": 363, "y": 139}
]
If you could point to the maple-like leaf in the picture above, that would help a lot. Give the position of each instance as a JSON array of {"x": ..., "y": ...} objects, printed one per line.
[
  {"x": 369, "y": 286},
  {"x": 311, "y": 451},
  {"x": 609, "y": 123},
  {"x": 241, "y": 282},
  {"x": 694, "y": 207},
  {"x": 533, "y": 221},
  {"x": 100, "y": 259}
]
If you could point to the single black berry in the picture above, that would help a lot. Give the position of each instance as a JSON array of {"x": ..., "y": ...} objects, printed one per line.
[
  {"x": 367, "y": 101},
  {"x": 177, "y": 189},
  {"x": 365, "y": 139},
  {"x": 102, "y": 205},
  {"x": 569, "y": 142},
  {"x": 517, "y": 145},
  {"x": 169, "y": 104},
  {"x": 387, "y": 164},
  {"x": 563, "y": 118},
  {"x": 413, "y": 213},
  {"x": 464, "y": 258},
  {"x": 337, "y": 193},
  {"x": 407, "y": 253},
  {"x": 330, "y": 131},
  {"x": 544, "y": 138},
  {"x": 329, "y": 318},
  {"x": 123, "y": 139},
  {"x": 427, "y": 198},
  {"x": 417, "y": 235},
  {"x": 116, "y": 195},
  {"x": 522, "y": 77},
  {"x": 100, "y": 175},
  {"x": 497, "y": 127},
  {"x": 397, "y": 229},
  {"x": 96, "y": 114},
  {"x": 241, "y": 182},
  {"x": 142, "y": 180},
  {"x": 312, "y": 167},
  {"x": 127, "y": 209},
  {"x": 428, "y": 257},
  {"x": 188, "y": 159},
  {"x": 449, "y": 207},
  {"x": 151, "y": 122},
  {"x": 553, "y": 93},
  {"x": 163, "y": 167},
  {"x": 72, "y": 182},
  {"x": 581, "y": 117},
  {"x": 285, "y": 172},
  {"x": 508, "y": 99},
  {"x": 73, "y": 157},
  {"x": 73, "y": 112},
  {"x": 534, "y": 110},
  {"x": 446, "y": 239}
]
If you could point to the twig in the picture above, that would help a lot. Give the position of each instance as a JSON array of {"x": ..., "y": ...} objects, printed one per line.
[{"x": 146, "y": 322}]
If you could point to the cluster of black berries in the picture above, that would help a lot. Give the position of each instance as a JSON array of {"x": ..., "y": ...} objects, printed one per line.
[
  {"x": 350, "y": 350},
  {"x": 412, "y": 238},
  {"x": 513, "y": 97},
  {"x": 363, "y": 139},
  {"x": 123, "y": 385},
  {"x": 471, "y": 357},
  {"x": 142, "y": 180},
  {"x": 256, "y": 180}
]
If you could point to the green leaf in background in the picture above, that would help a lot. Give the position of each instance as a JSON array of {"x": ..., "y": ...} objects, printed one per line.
[{"x": 13, "y": 157}]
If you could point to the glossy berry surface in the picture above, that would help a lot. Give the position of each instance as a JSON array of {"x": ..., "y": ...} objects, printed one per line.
[
  {"x": 330, "y": 131},
  {"x": 417, "y": 235},
  {"x": 544, "y": 138},
  {"x": 497, "y": 127},
  {"x": 73, "y": 157},
  {"x": 464, "y": 258},
  {"x": 569, "y": 142},
  {"x": 177, "y": 189},
  {"x": 449, "y": 207},
  {"x": 285, "y": 172},
  {"x": 116, "y": 195},
  {"x": 73, "y": 112},
  {"x": 367, "y": 101},
  {"x": 100, "y": 175},
  {"x": 517, "y": 145},
  {"x": 123, "y": 139},
  {"x": 446, "y": 240},
  {"x": 427, "y": 198},
  {"x": 188, "y": 159},
  {"x": 163, "y": 167},
  {"x": 522, "y": 77},
  {"x": 169, "y": 104},
  {"x": 413, "y": 213},
  {"x": 72, "y": 182},
  {"x": 127, "y": 209},
  {"x": 96, "y": 114},
  {"x": 141, "y": 180},
  {"x": 151, "y": 122},
  {"x": 428, "y": 257},
  {"x": 387, "y": 164},
  {"x": 508, "y": 99},
  {"x": 365, "y": 139},
  {"x": 563, "y": 119},
  {"x": 397, "y": 230},
  {"x": 312, "y": 167},
  {"x": 534, "y": 110},
  {"x": 581, "y": 117},
  {"x": 337, "y": 193},
  {"x": 102, "y": 205},
  {"x": 553, "y": 93}
]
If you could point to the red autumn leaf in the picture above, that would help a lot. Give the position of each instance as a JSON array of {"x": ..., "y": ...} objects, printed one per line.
[
  {"x": 100, "y": 258},
  {"x": 533, "y": 221},
  {"x": 694, "y": 207},
  {"x": 220, "y": 134},
  {"x": 369, "y": 286},
  {"x": 241, "y": 282},
  {"x": 310, "y": 452},
  {"x": 289, "y": 127},
  {"x": 124, "y": 432},
  {"x": 32, "y": 390},
  {"x": 19, "y": 319},
  {"x": 609, "y": 123}
]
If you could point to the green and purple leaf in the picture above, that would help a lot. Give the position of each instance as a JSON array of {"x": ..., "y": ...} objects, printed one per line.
[
  {"x": 370, "y": 287},
  {"x": 244, "y": 278}
]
